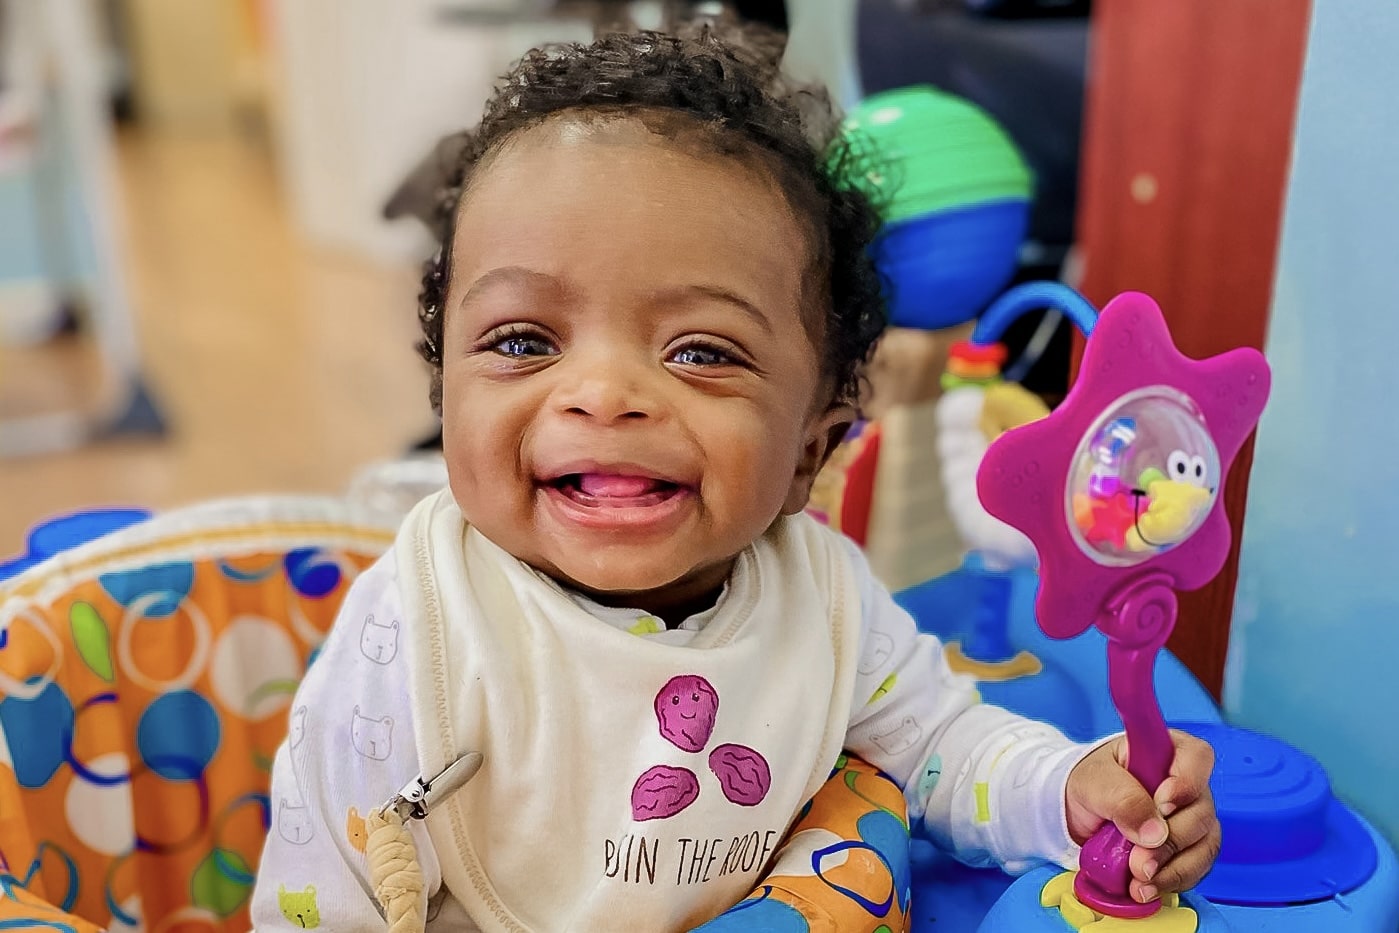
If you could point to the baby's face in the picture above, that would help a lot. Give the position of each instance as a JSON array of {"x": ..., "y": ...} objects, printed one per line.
[{"x": 631, "y": 395}]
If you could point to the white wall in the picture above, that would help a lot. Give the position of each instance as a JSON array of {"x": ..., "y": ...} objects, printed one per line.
[{"x": 366, "y": 89}]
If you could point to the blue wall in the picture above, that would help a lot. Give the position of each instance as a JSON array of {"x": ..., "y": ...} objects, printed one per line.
[{"x": 1315, "y": 651}]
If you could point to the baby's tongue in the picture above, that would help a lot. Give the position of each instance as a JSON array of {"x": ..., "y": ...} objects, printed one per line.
[{"x": 607, "y": 486}]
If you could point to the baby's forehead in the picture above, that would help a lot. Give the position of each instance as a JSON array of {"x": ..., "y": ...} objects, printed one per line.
[{"x": 619, "y": 163}]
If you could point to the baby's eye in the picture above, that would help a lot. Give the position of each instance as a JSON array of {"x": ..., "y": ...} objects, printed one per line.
[
  {"x": 701, "y": 355},
  {"x": 523, "y": 345}
]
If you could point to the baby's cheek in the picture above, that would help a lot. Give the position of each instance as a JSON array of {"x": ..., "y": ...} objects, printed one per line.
[{"x": 753, "y": 451}]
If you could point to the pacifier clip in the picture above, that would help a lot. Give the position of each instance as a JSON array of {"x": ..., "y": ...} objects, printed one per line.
[{"x": 394, "y": 870}]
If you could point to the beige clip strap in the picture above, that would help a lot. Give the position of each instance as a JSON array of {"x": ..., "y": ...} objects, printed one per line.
[{"x": 394, "y": 870}]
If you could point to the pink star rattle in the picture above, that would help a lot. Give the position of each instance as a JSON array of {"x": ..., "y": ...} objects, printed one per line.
[{"x": 1119, "y": 489}]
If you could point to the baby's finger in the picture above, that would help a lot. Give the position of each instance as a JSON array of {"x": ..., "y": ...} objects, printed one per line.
[
  {"x": 1188, "y": 827},
  {"x": 1184, "y": 871},
  {"x": 1190, "y": 774},
  {"x": 1177, "y": 793}
]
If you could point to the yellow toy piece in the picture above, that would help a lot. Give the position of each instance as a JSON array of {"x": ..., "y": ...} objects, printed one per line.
[
  {"x": 1024, "y": 664},
  {"x": 1058, "y": 894},
  {"x": 1170, "y": 517},
  {"x": 1009, "y": 405}
]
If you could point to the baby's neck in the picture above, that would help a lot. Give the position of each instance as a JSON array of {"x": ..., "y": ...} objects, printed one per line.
[
  {"x": 672, "y": 610},
  {"x": 673, "y": 603}
]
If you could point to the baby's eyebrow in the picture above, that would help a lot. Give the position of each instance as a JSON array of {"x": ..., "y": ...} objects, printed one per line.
[
  {"x": 507, "y": 276},
  {"x": 688, "y": 294}
]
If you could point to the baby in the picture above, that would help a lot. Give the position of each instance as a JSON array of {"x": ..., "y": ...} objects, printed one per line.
[{"x": 647, "y": 330}]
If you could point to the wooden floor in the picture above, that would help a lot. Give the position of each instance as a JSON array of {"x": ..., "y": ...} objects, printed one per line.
[{"x": 280, "y": 368}]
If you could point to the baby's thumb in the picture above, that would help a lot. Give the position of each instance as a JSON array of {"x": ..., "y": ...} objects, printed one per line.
[{"x": 1118, "y": 796}]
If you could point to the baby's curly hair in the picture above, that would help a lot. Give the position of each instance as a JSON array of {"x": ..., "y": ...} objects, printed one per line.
[{"x": 733, "y": 92}]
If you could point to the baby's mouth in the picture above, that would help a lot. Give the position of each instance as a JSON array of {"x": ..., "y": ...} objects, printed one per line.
[{"x": 609, "y": 490}]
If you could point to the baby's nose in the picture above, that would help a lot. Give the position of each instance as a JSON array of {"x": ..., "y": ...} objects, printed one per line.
[{"x": 609, "y": 391}]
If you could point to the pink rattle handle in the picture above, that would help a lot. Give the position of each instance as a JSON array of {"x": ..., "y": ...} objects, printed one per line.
[
  {"x": 1137, "y": 624},
  {"x": 1148, "y": 609}
]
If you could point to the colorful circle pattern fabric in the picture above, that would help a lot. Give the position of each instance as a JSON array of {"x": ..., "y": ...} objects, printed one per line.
[
  {"x": 844, "y": 865},
  {"x": 140, "y": 714}
]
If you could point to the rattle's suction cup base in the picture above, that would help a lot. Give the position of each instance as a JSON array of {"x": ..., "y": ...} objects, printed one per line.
[
  {"x": 1112, "y": 905},
  {"x": 1044, "y": 901}
]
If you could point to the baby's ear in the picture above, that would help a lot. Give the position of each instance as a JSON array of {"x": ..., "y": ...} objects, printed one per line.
[{"x": 824, "y": 435}]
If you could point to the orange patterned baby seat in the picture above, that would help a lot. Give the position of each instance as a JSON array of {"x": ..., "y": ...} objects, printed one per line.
[{"x": 145, "y": 682}]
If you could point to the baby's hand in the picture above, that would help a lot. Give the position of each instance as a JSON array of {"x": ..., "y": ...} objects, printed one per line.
[{"x": 1101, "y": 789}]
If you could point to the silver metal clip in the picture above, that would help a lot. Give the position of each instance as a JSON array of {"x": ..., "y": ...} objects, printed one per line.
[{"x": 419, "y": 795}]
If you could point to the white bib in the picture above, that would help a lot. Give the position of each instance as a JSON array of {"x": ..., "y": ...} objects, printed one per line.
[{"x": 627, "y": 784}]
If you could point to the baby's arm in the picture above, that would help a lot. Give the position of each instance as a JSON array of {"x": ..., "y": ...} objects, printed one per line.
[
  {"x": 986, "y": 784},
  {"x": 349, "y": 749}
]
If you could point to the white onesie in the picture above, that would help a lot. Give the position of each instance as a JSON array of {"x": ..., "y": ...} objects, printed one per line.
[{"x": 634, "y": 777}]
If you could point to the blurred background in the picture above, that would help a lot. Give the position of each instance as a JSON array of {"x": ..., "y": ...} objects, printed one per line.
[{"x": 201, "y": 294}]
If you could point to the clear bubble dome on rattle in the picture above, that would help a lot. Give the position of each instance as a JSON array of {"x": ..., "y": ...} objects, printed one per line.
[{"x": 1143, "y": 479}]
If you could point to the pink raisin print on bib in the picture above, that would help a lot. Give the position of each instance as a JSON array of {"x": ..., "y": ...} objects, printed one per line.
[
  {"x": 686, "y": 708},
  {"x": 663, "y": 791},
  {"x": 743, "y": 774}
]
